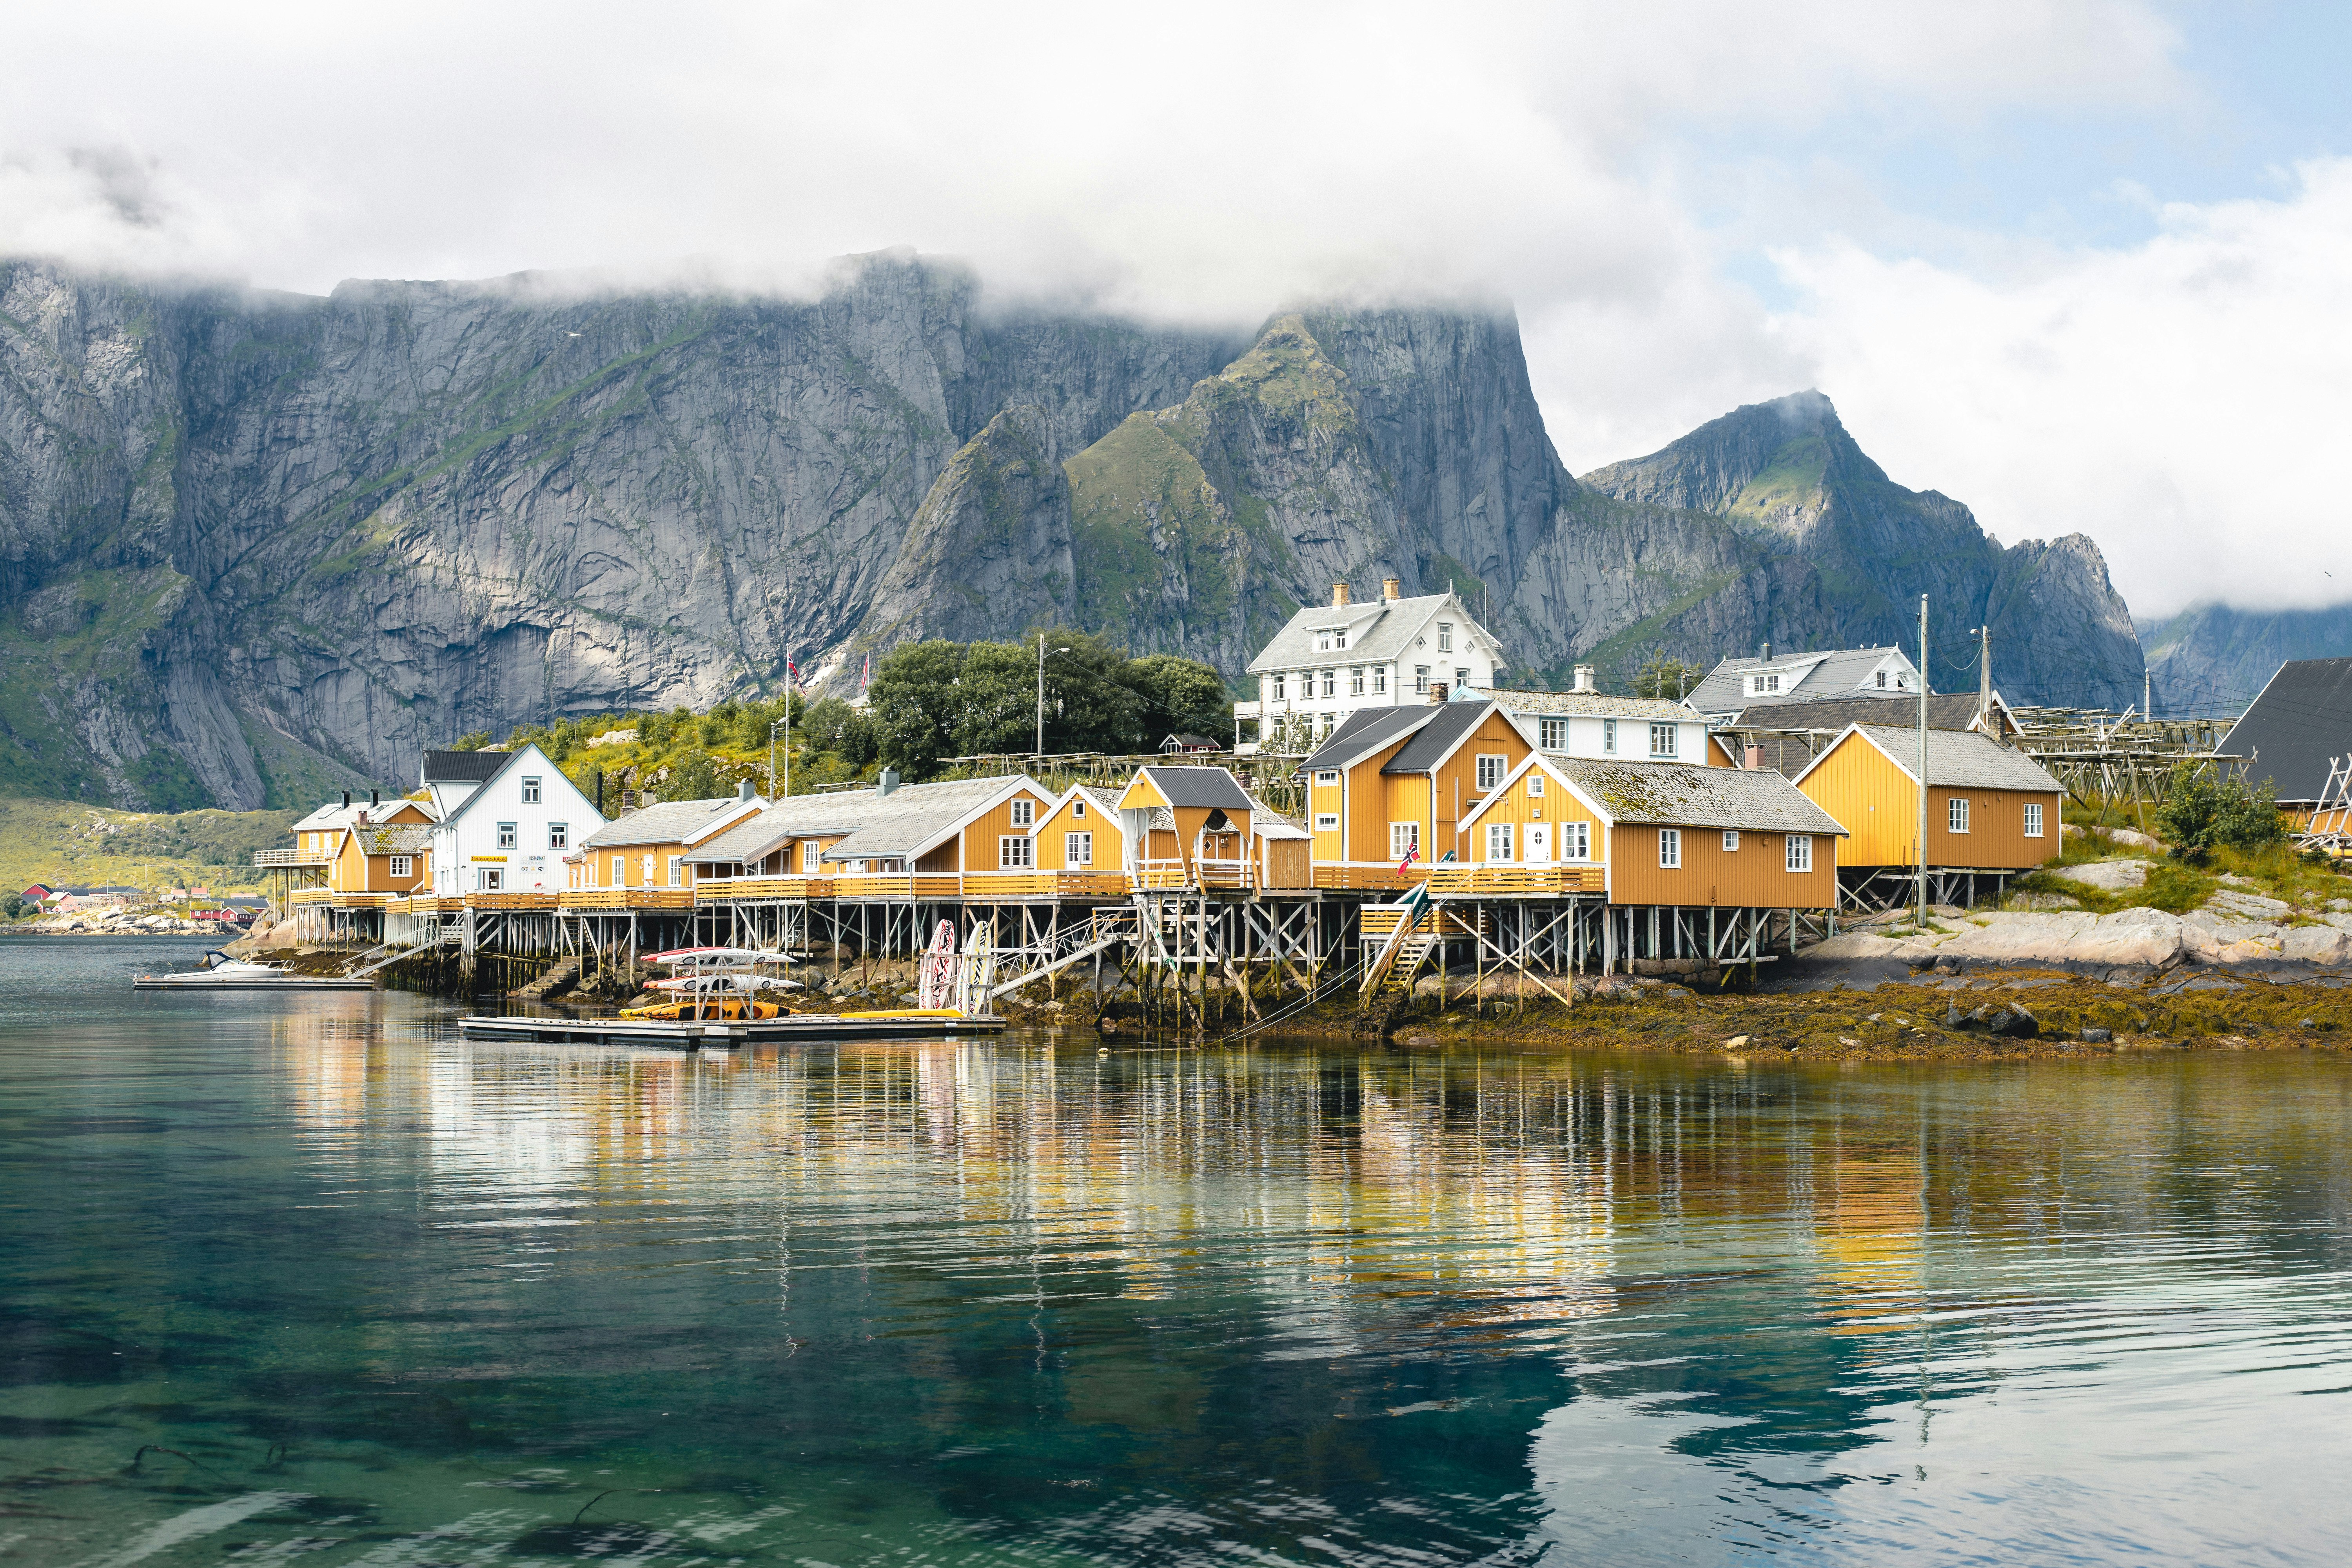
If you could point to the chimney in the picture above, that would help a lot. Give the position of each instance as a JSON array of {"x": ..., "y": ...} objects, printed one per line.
[
  {"x": 1755, "y": 758},
  {"x": 889, "y": 779},
  {"x": 1583, "y": 679},
  {"x": 743, "y": 791},
  {"x": 347, "y": 800},
  {"x": 1764, "y": 652},
  {"x": 376, "y": 798},
  {"x": 1391, "y": 587},
  {"x": 1338, "y": 595},
  {"x": 1436, "y": 692}
]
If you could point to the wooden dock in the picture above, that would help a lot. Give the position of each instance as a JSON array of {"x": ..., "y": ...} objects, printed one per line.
[{"x": 686, "y": 1035}]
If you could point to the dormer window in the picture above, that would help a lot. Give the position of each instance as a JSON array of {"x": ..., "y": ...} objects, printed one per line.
[{"x": 1765, "y": 683}]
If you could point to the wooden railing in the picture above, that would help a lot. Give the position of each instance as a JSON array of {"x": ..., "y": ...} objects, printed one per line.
[
  {"x": 1369, "y": 879},
  {"x": 1512, "y": 881},
  {"x": 509, "y": 900},
  {"x": 980, "y": 887},
  {"x": 276, "y": 858},
  {"x": 627, "y": 899}
]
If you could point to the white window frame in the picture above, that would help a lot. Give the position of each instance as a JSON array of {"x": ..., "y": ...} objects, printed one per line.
[
  {"x": 1078, "y": 808},
  {"x": 1882, "y": 681},
  {"x": 1327, "y": 777},
  {"x": 1421, "y": 679},
  {"x": 403, "y": 865},
  {"x": 1330, "y": 683},
  {"x": 1609, "y": 736},
  {"x": 1535, "y": 786},
  {"x": 1327, "y": 822},
  {"x": 1323, "y": 639},
  {"x": 1553, "y": 734},
  {"x": 1356, "y": 682},
  {"x": 1491, "y": 769},
  {"x": 1731, "y": 841},
  {"x": 2034, "y": 819},
  {"x": 1445, "y": 636},
  {"x": 1380, "y": 679},
  {"x": 1499, "y": 835},
  {"x": 1670, "y": 849},
  {"x": 531, "y": 792},
  {"x": 1078, "y": 848},
  {"x": 1025, "y": 812},
  {"x": 490, "y": 879},
  {"x": 1956, "y": 815},
  {"x": 1015, "y": 852},
  {"x": 507, "y": 835},
  {"x": 1275, "y": 688},
  {"x": 1339, "y": 639},
  {"x": 1404, "y": 838},
  {"x": 1664, "y": 732},
  {"x": 812, "y": 857},
  {"x": 620, "y": 870},
  {"x": 559, "y": 835},
  {"x": 1576, "y": 841},
  {"x": 677, "y": 872},
  {"x": 1799, "y": 855}
]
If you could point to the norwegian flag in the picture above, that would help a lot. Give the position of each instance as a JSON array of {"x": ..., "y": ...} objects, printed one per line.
[
  {"x": 1411, "y": 854},
  {"x": 866, "y": 673}
]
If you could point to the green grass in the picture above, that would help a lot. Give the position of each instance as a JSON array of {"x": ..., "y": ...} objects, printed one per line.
[{"x": 64, "y": 841}]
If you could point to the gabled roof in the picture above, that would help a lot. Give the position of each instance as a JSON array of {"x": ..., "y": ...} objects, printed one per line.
[
  {"x": 1379, "y": 631},
  {"x": 1100, "y": 803},
  {"x": 680, "y": 822},
  {"x": 395, "y": 839},
  {"x": 2301, "y": 719},
  {"x": 794, "y": 816},
  {"x": 463, "y": 767},
  {"x": 506, "y": 761},
  {"x": 1790, "y": 755},
  {"x": 1686, "y": 795},
  {"x": 1593, "y": 705},
  {"x": 1956, "y": 759},
  {"x": 1834, "y": 672},
  {"x": 1366, "y": 730},
  {"x": 1440, "y": 738},
  {"x": 1185, "y": 786},
  {"x": 913, "y": 818}
]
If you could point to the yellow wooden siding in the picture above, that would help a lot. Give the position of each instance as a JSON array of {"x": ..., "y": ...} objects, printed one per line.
[
  {"x": 1053, "y": 838},
  {"x": 1755, "y": 875},
  {"x": 1520, "y": 808},
  {"x": 1287, "y": 862},
  {"x": 1454, "y": 784},
  {"x": 982, "y": 851},
  {"x": 1861, "y": 786}
]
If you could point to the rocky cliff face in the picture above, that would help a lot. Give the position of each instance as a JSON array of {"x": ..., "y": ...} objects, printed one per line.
[
  {"x": 262, "y": 545},
  {"x": 2215, "y": 658}
]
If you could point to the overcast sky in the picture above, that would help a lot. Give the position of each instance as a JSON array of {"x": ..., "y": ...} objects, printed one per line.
[{"x": 2084, "y": 265}]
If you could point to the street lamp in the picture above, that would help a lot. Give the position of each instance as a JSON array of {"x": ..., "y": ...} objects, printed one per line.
[{"x": 1041, "y": 692}]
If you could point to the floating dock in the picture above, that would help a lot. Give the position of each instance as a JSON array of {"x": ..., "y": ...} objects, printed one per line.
[
  {"x": 722, "y": 1035},
  {"x": 206, "y": 987}
]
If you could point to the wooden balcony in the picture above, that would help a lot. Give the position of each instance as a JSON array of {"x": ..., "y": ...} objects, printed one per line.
[
  {"x": 1513, "y": 881},
  {"x": 593, "y": 898},
  {"x": 508, "y": 900},
  {"x": 988, "y": 886},
  {"x": 1368, "y": 879},
  {"x": 279, "y": 859}
]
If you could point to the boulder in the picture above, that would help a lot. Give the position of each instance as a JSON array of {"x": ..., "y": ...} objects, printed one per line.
[
  {"x": 2113, "y": 875},
  {"x": 2043, "y": 901},
  {"x": 2251, "y": 906}
]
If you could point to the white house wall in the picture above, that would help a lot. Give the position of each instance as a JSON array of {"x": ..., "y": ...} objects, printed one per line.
[{"x": 464, "y": 848}]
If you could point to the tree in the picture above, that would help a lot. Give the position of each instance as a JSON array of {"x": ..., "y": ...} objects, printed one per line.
[
  {"x": 2203, "y": 814},
  {"x": 15, "y": 905},
  {"x": 835, "y": 728},
  {"x": 917, "y": 704},
  {"x": 1180, "y": 695}
]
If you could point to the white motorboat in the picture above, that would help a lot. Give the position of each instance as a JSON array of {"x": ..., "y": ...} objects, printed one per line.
[{"x": 219, "y": 972}]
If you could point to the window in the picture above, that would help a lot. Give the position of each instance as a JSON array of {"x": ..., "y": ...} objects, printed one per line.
[
  {"x": 1756, "y": 684},
  {"x": 1025, "y": 812},
  {"x": 1535, "y": 787},
  {"x": 1323, "y": 639},
  {"x": 812, "y": 857},
  {"x": 1327, "y": 726},
  {"x": 1554, "y": 733},
  {"x": 1327, "y": 822},
  {"x": 1339, "y": 638},
  {"x": 1882, "y": 681},
  {"x": 1328, "y": 776},
  {"x": 2034, "y": 819},
  {"x": 1381, "y": 679},
  {"x": 1490, "y": 772},
  {"x": 1012, "y": 852},
  {"x": 1576, "y": 841},
  {"x": 1609, "y": 736},
  {"x": 1730, "y": 842},
  {"x": 1957, "y": 817},
  {"x": 403, "y": 866},
  {"x": 1445, "y": 636},
  {"x": 1078, "y": 808},
  {"x": 1421, "y": 679},
  {"x": 531, "y": 792},
  {"x": 490, "y": 879},
  {"x": 1662, "y": 739},
  {"x": 1461, "y": 678},
  {"x": 1800, "y": 852},
  {"x": 1078, "y": 848},
  {"x": 1498, "y": 840},
  {"x": 1670, "y": 848},
  {"x": 1274, "y": 689},
  {"x": 506, "y": 834},
  {"x": 1355, "y": 683},
  {"x": 1404, "y": 838},
  {"x": 559, "y": 834},
  {"x": 620, "y": 870},
  {"x": 677, "y": 871},
  {"x": 1330, "y": 683}
]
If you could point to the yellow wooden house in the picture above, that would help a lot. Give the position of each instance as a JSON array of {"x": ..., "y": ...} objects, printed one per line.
[
  {"x": 1989, "y": 809},
  {"x": 1388, "y": 792}
]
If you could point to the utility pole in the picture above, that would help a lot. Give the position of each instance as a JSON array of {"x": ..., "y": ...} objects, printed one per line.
[
  {"x": 1984, "y": 673},
  {"x": 1041, "y": 694},
  {"x": 1922, "y": 762},
  {"x": 2146, "y": 691}
]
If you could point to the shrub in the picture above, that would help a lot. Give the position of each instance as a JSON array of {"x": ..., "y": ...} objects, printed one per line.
[{"x": 2203, "y": 814}]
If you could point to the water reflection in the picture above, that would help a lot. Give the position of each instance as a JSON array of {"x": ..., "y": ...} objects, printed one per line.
[{"x": 1014, "y": 1301}]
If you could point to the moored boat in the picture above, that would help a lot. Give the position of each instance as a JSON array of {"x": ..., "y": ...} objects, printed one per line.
[{"x": 219, "y": 972}]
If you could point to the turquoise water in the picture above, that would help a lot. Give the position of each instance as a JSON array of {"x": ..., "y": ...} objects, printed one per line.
[{"x": 393, "y": 1299}]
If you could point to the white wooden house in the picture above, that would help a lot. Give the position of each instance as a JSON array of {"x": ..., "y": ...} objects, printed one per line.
[{"x": 509, "y": 832}]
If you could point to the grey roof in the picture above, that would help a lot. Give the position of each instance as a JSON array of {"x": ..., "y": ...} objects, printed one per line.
[
  {"x": 1591, "y": 704},
  {"x": 397, "y": 838},
  {"x": 1436, "y": 739},
  {"x": 1366, "y": 730},
  {"x": 2297, "y": 725},
  {"x": 1196, "y": 786},
  {"x": 910, "y": 819},
  {"x": 1834, "y": 672},
  {"x": 795, "y": 816},
  {"x": 1379, "y": 631},
  {"x": 463, "y": 767},
  {"x": 670, "y": 822},
  {"x": 1956, "y": 759},
  {"x": 1791, "y": 755},
  {"x": 1267, "y": 823},
  {"x": 1685, "y": 795}
]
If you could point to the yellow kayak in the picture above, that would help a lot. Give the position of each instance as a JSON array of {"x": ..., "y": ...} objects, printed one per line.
[{"x": 715, "y": 1009}]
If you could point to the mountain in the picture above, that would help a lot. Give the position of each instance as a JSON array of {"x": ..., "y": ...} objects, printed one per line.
[
  {"x": 2212, "y": 659},
  {"x": 254, "y": 547},
  {"x": 1789, "y": 478}
]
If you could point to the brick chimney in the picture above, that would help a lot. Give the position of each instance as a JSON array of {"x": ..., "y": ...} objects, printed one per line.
[
  {"x": 1583, "y": 679},
  {"x": 1338, "y": 595},
  {"x": 1436, "y": 691},
  {"x": 1755, "y": 758},
  {"x": 1391, "y": 587}
]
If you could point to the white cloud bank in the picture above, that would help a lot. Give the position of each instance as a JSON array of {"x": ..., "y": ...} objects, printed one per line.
[{"x": 1209, "y": 162}]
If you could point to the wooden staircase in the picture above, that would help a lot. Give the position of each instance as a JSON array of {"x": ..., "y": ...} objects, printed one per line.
[{"x": 1404, "y": 966}]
